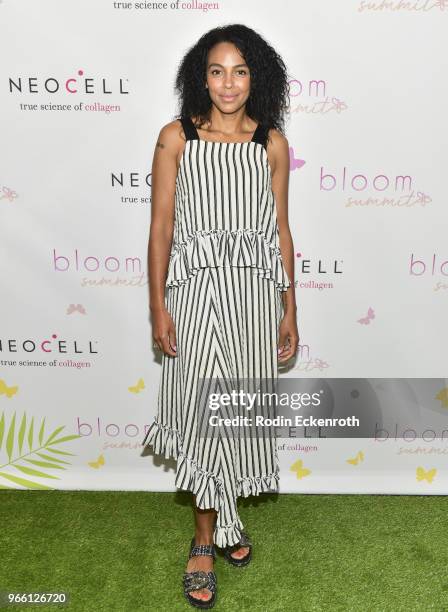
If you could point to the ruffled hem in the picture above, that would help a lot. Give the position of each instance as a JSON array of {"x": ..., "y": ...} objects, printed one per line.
[
  {"x": 164, "y": 440},
  {"x": 208, "y": 491},
  {"x": 254, "y": 485},
  {"x": 206, "y": 486},
  {"x": 228, "y": 535},
  {"x": 226, "y": 248}
]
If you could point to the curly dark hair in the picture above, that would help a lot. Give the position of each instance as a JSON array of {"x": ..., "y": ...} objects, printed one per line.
[{"x": 269, "y": 93}]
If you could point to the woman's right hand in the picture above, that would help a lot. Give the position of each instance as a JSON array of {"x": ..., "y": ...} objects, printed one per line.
[{"x": 164, "y": 332}]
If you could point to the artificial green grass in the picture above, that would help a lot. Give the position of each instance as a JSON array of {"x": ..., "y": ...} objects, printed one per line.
[{"x": 127, "y": 551}]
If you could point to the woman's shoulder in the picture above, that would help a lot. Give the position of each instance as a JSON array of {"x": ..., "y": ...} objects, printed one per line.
[
  {"x": 277, "y": 139},
  {"x": 277, "y": 148},
  {"x": 173, "y": 132}
]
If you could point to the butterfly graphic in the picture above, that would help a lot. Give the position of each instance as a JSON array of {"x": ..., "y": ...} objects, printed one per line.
[
  {"x": 294, "y": 162},
  {"x": 299, "y": 469},
  {"x": 369, "y": 317},
  {"x": 339, "y": 105},
  {"x": 76, "y": 307},
  {"x": 442, "y": 4},
  {"x": 357, "y": 458},
  {"x": 8, "y": 193},
  {"x": 443, "y": 397},
  {"x": 423, "y": 198},
  {"x": 98, "y": 463},
  {"x": 425, "y": 475},
  {"x": 138, "y": 387},
  {"x": 8, "y": 391}
]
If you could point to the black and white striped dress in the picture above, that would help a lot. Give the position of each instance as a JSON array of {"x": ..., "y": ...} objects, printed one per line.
[{"x": 224, "y": 286}]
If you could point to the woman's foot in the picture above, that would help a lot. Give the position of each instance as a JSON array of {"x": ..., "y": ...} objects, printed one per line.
[
  {"x": 201, "y": 563},
  {"x": 240, "y": 552}
]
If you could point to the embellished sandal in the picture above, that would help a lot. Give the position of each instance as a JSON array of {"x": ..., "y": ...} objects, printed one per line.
[
  {"x": 243, "y": 543},
  {"x": 193, "y": 581}
]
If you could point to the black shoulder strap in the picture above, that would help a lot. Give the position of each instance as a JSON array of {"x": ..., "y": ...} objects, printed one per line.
[
  {"x": 261, "y": 135},
  {"x": 190, "y": 131}
]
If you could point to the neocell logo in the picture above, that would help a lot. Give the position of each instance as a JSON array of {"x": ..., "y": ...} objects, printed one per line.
[{"x": 72, "y": 85}]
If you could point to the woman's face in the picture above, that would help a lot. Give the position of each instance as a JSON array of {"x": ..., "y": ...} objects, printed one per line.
[{"x": 228, "y": 77}]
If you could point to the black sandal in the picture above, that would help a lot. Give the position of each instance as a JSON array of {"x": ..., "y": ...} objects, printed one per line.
[
  {"x": 243, "y": 543},
  {"x": 193, "y": 581}
]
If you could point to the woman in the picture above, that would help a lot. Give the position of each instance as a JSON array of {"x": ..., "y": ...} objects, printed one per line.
[{"x": 221, "y": 244}]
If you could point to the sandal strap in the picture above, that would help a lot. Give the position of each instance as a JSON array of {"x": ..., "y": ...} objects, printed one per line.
[
  {"x": 202, "y": 549},
  {"x": 193, "y": 581},
  {"x": 243, "y": 542}
]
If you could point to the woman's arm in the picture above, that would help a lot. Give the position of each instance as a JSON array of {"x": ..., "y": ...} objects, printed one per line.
[
  {"x": 163, "y": 188},
  {"x": 278, "y": 155}
]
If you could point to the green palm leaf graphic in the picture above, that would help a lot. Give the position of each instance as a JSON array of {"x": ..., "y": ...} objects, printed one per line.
[
  {"x": 59, "y": 452},
  {"x": 45, "y": 464},
  {"x": 30, "y": 472},
  {"x": 30, "y": 435},
  {"x": 50, "y": 458},
  {"x": 55, "y": 433},
  {"x": 2, "y": 429},
  {"x": 14, "y": 443},
  {"x": 65, "y": 439},
  {"x": 22, "y": 432},
  {"x": 29, "y": 484},
  {"x": 41, "y": 432},
  {"x": 10, "y": 437}
]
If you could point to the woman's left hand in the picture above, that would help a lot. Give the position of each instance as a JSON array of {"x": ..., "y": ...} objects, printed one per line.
[{"x": 288, "y": 340}]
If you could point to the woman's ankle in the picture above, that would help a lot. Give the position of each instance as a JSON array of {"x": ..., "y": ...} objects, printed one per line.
[{"x": 203, "y": 538}]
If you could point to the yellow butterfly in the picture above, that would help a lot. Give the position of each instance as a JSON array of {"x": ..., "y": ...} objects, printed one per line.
[
  {"x": 423, "y": 475},
  {"x": 138, "y": 387},
  {"x": 299, "y": 469},
  {"x": 357, "y": 458},
  {"x": 98, "y": 463},
  {"x": 8, "y": 391},
  {"x": 443, "y": 397}
]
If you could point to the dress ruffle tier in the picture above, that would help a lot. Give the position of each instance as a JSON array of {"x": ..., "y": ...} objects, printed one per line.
[
  {"x": 226, "y": 248},
  {"x": 207, "y": 485}
]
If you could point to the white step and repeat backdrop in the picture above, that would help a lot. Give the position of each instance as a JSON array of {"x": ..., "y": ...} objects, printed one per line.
[{"x": 85, "y": 87}]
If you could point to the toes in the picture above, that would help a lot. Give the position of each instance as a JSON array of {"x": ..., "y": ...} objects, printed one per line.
[
  {"x": 240, "y": 553},
  {"x": 203, "y": 594}
]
